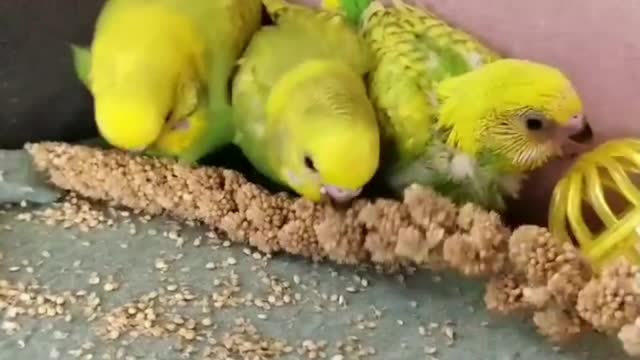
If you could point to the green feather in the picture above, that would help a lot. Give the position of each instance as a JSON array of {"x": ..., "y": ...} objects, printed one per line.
[
  {"x": 450, "y": 61},
  {"x": 487, "y": 187},
  {"x": 353, "y": 9},
  {"x": 220, "y": 133},
  {"x": 81, "y": 62},
  {"x": 219, "y": 113}
]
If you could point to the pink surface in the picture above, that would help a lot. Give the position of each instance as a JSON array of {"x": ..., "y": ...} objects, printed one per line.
[{"x": 595, "y": 42}]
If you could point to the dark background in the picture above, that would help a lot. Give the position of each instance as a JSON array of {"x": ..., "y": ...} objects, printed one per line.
[{"x": 40, "y": 98}]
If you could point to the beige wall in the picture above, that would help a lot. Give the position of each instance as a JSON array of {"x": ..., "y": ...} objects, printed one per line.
[{"x": 596, "y": 42}]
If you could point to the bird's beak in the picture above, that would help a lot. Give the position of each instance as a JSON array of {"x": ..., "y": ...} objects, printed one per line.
[
  {"x": 578, "y": 136},
  {"x": 579, "y": 130},
  {"x": 339, "y": 195}
]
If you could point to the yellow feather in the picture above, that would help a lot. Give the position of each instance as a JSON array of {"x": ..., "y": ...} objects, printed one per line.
[
  {"x": 303, "y": 116},
  {"x": 481, "y": 108},
  {"x": 133, "y": 90},
  {"x": 175, "y": 142},
  {"x": 331, "y": 5},
  {"x": 151, "y": 61}
]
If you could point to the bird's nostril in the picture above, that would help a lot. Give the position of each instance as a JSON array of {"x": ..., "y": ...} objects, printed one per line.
[{"x": 583, "y": 136}]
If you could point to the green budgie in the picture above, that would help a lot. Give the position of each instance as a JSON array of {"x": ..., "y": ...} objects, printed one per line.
[{"x": 455, "y": 115}]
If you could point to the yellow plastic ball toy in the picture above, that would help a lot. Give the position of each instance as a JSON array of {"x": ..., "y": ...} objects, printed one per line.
[{"x": 601, "y": 183}]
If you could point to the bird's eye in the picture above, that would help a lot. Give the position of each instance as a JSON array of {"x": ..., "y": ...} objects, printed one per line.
[
  {"x": 168, "y": 117},
  {"x": 534, "y": 124},
  {"x": 308, "y": 162}
]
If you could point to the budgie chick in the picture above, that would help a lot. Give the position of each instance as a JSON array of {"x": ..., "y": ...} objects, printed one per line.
[
  {"x": 302, "y": 115},
  {"x": 153, "y": 64},
  {"x": 454, "y": 114}
]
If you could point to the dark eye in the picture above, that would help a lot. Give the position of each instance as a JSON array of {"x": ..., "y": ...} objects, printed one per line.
[
  {"x": 534, "y": 124},
  {"x": 308, "y": 162},
  {"x": 168, "y": 117}
]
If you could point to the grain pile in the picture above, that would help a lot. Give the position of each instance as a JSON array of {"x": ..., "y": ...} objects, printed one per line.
[
  {"x": 527, "y": 270},
  {"x": 425, "y": 230}
]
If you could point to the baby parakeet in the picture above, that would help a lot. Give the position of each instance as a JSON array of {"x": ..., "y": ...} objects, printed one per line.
[
  {"x": 159, "y": 72},
  {"x": 455, "y": 115},
  {"x": 302, "y": 115}
]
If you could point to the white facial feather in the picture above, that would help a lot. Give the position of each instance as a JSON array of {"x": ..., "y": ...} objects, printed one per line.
[{"x": 462, "y": 166}]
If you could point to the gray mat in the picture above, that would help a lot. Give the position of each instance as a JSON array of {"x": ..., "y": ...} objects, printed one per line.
[{"x": 397, "y": 320}]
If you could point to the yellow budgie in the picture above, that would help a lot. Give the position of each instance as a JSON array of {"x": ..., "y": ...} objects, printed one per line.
[
  {"x": 456, "y": 116},
  {"x": 159, "y": 72},
  {"x": 302, "y": 115}
]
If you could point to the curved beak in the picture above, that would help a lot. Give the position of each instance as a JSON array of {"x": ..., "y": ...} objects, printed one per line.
[
  {"x": 579, "y": 130},
  {"x": 576, "y": 136},
  {"x": 339, "y": 195}
]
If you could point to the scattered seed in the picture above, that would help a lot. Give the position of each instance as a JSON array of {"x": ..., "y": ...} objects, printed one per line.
[
  {"x": 110, "y": 286},
  {"x": 430, "y": 350},
  {"x": 422, "y": 331},
  {"x": 94, "y": 279},
  {"x": 448, "y": 331}
]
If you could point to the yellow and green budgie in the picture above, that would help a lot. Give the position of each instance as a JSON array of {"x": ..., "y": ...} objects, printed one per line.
[
  {"x": 455, "y": 115},
  {"x": 302, "y": 114},
  {"x": 159, "y": 72}
]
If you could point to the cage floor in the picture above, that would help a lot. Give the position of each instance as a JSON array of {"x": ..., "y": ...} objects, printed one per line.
[{"x": 323, "y": 309}]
